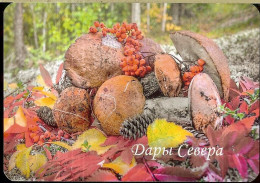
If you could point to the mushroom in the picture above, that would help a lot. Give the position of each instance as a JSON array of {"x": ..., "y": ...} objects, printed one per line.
[
  {"x": 149, "y": 49},
  {"x": 194, "y": 113},
  {"x": 204, "y": 100},
  {"x": 117, "y": 99},
  {"x": 192, "y": 46},
  {"x": 93, "y": 59},
  {"x": 72, "y": 110},
  {"x": 168, "y": 75}
]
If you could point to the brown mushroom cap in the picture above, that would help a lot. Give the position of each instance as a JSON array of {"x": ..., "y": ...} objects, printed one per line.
[
  {"x": 117, "y": 99},
  {"x": 204, "y": 100},
  {"x": 72, "y": 111},
  {"x": 91, "y": 60},
  {"x": 149, "y": 49},
  {"x": 168, "y": 75},
  {"x": 192, "y": 46}
]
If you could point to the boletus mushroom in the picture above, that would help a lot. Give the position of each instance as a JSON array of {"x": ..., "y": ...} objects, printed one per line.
[
  {"x": 93, "y": 59},
  {"x": 192, "y": 46},
  {"x": 72, "y": 110},
  {"x": 117, "y": 99},
  {"x": 168, "y": 75},
  {"x": 204, "y": 101},
  {"x": 194, "y": 113},
  {"x": 149, "y": 49}
]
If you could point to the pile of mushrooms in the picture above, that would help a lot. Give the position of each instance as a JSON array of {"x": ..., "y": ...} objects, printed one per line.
[{"x": 93, "y": 61}]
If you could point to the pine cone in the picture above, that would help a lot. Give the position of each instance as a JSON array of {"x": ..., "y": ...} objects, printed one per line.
[
  {"x": 136, "y": 127},
  {"x": 45, "y": 114}
]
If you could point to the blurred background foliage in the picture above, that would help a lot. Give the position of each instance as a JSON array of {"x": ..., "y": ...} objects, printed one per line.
[{"x": 49, "y": 28}]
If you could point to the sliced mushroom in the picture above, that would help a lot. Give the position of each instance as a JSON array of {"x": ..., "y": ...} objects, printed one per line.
[
  {"x": 204, "y": 101},
  {"x": 168, "y": 75},
  {"x": 149, "y": 49},
  {"x": 93, "y": 59},
  {"x": 192, "y": 46}
]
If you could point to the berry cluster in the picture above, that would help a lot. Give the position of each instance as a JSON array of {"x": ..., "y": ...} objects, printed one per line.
[
  {"x": 37, "y": 135},
  {"x": 133, "y": 63},
  {"x": 195, "y": 69}
]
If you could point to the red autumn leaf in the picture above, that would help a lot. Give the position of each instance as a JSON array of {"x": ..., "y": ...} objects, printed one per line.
[
  {"x": 235, "y": 102},
  {"x": 59, "y": 73},
  {"x": 46, "y": 76},
  {"x": 102, "y": 176},
  {"x": 211, "y": 135},
  {"x": 243, "y": 108},
  {"x": 197, "y": 161},
  {"x": 127, "y": 156},
  {"x": 110, "y": 141},
  {"x": 254, "y": 164},
  {"x": 137, "y": 173},
  {"x": 48, "y": 153},
  {"x": 243, "y": 127},
  {"x": 8, "y": 100},
  {"x": 223, "y": 164},
  {"x": 254, "y": 106},
  {"x": 233, "y": 90},
  {"x": 241, "y": 165}
]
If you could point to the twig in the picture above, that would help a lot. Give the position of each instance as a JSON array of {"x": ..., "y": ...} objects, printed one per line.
[
  {"x": 148, "y": 169},
  {"x": 16, "y": 89}
]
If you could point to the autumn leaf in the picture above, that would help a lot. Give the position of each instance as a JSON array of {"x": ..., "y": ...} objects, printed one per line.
[
  {"x": 16, "y": 123},
  {"x": 119, "y": 166},
  {"x": 59, "y": 73},
  {"x": 41, "y": 82},
  {"x": 36, "y": 161},
  {"x": 166, "y": 134},
  {"x": 22, "y": 162},
  {"x": 46, "y": 76},
  {"x": 137, "y": 173},
  {"x": 47, "y": 101},
  {"x": 95, "y": 138},
  {"x": 12, "y": 160}
]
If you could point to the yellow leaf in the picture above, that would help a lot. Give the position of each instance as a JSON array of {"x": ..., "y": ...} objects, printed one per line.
[
  {"x": 11, "y": 164},
  {"x": 8, "y": 122},
  {"x": 119, "y": 166},
  {"x": 36, "y": 161},
  {"x": 13, "y": 86},
  {"x": 39, "y": 88},
  {"x": 95, "y": 138},
  {"x": 48, "y": 101},
  {"x": 166, "y": 134},
  {"x": 22, "y": 161},
  {"x": 62, "y": 144},
  {"x": 41, "y": 82},
  {"x": 20, "y": 117},
  {"x": 49, "y": 94},
  {"x": 20, "y": 147}
]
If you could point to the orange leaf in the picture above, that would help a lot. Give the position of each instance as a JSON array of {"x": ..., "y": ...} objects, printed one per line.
[
  {"x": 20, "y": 117},
  {"x": 8, "y": 122}
]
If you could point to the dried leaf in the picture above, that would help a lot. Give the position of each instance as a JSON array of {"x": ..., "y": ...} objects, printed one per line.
[
  {"x": 95, "y": 138},
  {"x": 22, "y": 162},
  {"x": 166, "y": 134},
  {"x": 46, "y": 76},
  {"x": 59, "y": 73},
  {"x": 119, "y": 166},
  {"x": 36, "y": 161},
  {"x": 48, "y": 101}
]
